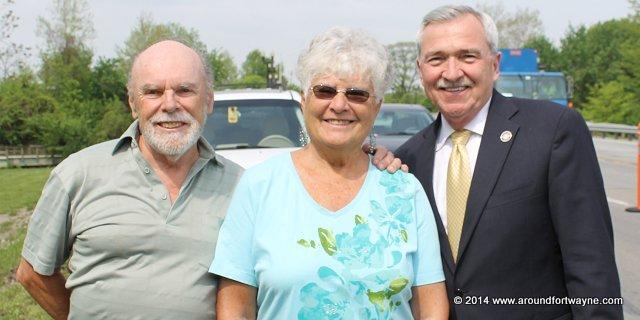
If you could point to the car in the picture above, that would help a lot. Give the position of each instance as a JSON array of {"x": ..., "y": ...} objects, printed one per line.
[
  {"x": 396, "y": 123},
  {"x": 251, "y": 125}
]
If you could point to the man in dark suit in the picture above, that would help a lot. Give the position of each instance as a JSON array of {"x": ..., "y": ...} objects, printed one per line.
[{"x": 514, "y": 184}]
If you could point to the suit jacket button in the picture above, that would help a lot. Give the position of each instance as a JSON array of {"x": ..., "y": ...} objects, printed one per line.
[{"x": 459, "y": 292}]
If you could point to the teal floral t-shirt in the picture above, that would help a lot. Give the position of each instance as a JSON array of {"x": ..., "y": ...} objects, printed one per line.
[{"x": 310, "y": 263}]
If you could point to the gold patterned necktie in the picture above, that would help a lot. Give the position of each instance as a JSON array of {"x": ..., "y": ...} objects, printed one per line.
[{"x": 458, "y": 184}]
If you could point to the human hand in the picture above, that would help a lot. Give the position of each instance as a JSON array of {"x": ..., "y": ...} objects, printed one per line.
[{"x": 384, "y": 159}]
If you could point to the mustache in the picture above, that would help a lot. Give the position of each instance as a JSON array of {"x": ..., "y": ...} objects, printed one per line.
[
  {"x": 172, "y": 117},
  {"x": 446, "y": 84}
]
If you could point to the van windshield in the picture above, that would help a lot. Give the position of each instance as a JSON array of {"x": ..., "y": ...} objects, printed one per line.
[
  {"x": 533, "y": 86},
  {"x": 265, "y": 123}
]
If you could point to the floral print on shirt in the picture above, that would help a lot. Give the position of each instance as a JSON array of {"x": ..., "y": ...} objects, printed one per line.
[{"x": 368, "y": 284}]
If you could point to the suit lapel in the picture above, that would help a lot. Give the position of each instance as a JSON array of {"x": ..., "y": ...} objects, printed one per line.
[
  {"x": 424, "y": 172},
  {"x": 491, "y": 157}
]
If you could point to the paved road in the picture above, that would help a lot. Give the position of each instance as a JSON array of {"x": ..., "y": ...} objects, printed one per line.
[{"x": 618, "y": 163}]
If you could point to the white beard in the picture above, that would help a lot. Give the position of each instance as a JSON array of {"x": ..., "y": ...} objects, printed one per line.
[{"x": 175, "y": 144}]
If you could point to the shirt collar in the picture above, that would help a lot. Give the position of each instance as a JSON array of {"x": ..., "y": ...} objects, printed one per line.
[
  {"x": 476, "y": 125},
  {"x": 131, "y": 134}
]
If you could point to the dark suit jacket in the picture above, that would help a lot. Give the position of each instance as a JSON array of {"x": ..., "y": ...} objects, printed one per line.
[{"x": 537, "y": 222}]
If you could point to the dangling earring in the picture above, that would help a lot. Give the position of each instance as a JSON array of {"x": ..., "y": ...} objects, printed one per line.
[
  {"x": 303, "y": 137},
  {"x": 372, "y": 142}
]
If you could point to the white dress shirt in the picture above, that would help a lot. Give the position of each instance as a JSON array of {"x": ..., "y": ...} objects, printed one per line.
[{"x": 443, "y": 152}]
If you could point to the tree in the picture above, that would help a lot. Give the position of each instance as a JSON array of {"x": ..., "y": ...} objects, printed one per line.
[
  {"x": 253, "y": 81},
  {"x": 67, "y": 77},
  {"x": 108, "y": 80},
  {"x": 70, "y": 25},
  {"x": 514, "y": 28},
  {"x": 594, "y": 55},
  {"x": 403, "y": 57},
  {"x": 255, "y": 64},
  {"x": 612, "y": 102},
  {"x": 549, "y": 54},
  {"x": 147, "y": 32},
  {"x": 258, "y": 66},
  {"x": 635, "y": 9},
  {"x": 617, "y": 99},
  {"x": 116, "y": 118},
  {"x": 12, "y": 55},
  {"x": 224, "y": 69},
  {"x": 21, "y": 98},
  {"x": 66, "y": 61}
]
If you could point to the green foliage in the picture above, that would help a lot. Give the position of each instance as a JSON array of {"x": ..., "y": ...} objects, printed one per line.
[
  {"x": 592, "y": 55},
  {"x": 108, "y": 80},
  {"x": 147, "y": 32},
  {"x": 224, "y": 69},
  {"x": 115, "y": 120},
  {"x": 79, "y": 105},
  {"x": 68, "y": 128},
  {"x": 255, "y": 64},
  {"x": 549, "y": 54},
  {"x": 253, "y": 81},
  {"x": 611, "y": 102},
  {"x": 66, "y": 75},
  {"x": 415, "y": 96},
  {"x": 21, "y": 98},
  {"x": 21, "y": 188}
]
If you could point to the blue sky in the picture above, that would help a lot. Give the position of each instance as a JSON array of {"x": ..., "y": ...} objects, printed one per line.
[{"x": 285, "y": 27}]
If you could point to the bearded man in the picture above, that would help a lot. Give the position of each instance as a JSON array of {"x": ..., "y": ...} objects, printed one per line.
[{"x": 136, "y": 217}]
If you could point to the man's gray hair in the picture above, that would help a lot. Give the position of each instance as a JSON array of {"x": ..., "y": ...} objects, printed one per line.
[
  {"x": 451, "y": 12},
  {"x": 206, "y": 65},
  {"x": 345, "y": 53}
]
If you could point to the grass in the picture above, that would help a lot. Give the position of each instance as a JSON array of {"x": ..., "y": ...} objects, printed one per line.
[
  {"x": 20, "y": 188},
  {"x": 16, "y": 304},
  {"x": 19, "y": 191}
]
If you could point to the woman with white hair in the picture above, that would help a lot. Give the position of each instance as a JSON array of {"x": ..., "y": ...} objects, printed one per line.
[{"x": 320, "y": 233}]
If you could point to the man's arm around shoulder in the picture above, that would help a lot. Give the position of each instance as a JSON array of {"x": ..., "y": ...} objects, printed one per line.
[{"x": 48, "y": 291}]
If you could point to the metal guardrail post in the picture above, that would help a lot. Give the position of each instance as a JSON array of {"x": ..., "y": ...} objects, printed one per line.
[{"x": 637, "y": 207}]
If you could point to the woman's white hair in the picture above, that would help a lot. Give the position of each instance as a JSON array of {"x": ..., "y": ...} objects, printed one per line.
[
  {"x": 451, "y": 12},
  {"x": 345, "y": 53}
]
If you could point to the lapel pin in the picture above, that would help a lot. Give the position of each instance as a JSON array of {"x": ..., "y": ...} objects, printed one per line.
[{"x": 506, "y": 136}]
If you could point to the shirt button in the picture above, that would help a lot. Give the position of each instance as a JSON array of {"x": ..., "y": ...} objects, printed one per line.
[
  {"x": 146, "y": 170},
  {"x": 164, "y": 196}
]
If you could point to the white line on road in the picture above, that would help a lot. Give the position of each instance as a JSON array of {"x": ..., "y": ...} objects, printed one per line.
[{"x": 619, "y": 202}]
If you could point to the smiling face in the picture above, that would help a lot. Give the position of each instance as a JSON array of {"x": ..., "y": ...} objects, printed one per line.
[
  {"x": 339, "y": 123},
  {"x": 170, "y": 97},
  {"x": 457, "y": 68}
]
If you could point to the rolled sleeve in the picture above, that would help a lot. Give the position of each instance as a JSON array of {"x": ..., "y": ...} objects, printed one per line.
[{"x": 46, "y": 244}]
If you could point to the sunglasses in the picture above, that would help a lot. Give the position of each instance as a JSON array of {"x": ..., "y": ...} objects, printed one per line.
[{"x": 324, "y": 92}]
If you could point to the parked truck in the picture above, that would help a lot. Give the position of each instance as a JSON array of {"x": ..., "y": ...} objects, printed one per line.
[{"x": 520, "y": 76}]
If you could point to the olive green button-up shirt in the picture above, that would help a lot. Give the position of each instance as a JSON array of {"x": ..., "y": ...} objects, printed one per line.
[{"x": 132, "y": 253}]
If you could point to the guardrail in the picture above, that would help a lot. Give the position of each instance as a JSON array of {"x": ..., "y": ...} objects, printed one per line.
[
  {"x": 613, "y": 129},
  {"x": 27, "y": 156}
]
